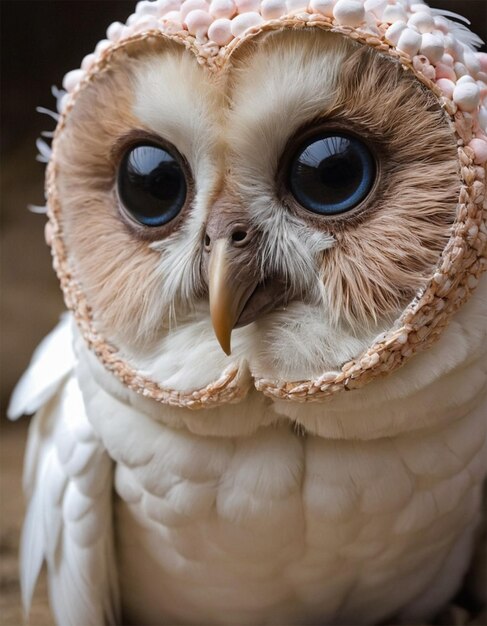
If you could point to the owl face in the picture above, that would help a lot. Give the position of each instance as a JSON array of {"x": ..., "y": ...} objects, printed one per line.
[{"x": 278, "y": 213}]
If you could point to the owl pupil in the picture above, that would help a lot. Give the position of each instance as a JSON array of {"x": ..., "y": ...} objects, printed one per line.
[
  {"x": 331, "y": 174},
  {"x": 151, "y": 185}
]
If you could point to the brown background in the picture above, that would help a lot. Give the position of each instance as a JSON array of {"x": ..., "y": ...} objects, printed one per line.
[{"x": 40, "y": 41}]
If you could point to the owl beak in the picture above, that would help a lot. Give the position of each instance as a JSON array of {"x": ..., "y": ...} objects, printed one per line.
[{"x": 227, "y": 294}]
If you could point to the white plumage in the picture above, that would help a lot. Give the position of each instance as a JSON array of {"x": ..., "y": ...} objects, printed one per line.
[
  {"x": 356, "y": 509},
  {"x": 371, "y": 512}
]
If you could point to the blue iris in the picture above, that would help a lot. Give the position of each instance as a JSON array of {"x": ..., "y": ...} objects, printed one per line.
[
  {"x": 151, "y": 185},
  {"x": 331, "y": 173}
]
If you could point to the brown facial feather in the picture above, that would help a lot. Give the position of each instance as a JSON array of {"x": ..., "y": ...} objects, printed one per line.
[
  {"x": 116, "y": 269},
  {"x": 383, "y": 256}
]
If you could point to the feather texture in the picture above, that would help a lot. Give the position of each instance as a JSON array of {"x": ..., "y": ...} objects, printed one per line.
[{"x": 69, "y": 514}]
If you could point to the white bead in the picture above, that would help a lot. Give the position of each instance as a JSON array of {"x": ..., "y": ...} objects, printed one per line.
[
  {"x": 272, "y": 9},
  {"x": 173, "y": 16},
  {"x": 71, "y": 79},
  {"x": 422, "y": 22},
  {"x": 148, "y": 22},
  {"x": 197, "y": 22},
  {"x": 114, "y": 31},
  {"x": 173, "y": 22},
  {"x": 102, "y": 45},
  {"x": 466, "y": 96},
  {"x": 296, "y": 5},
  {"x": 220, "y": 31},
  {"x": 325, "y": 7},
  {"x": 472, "y": 62},
  {"x": 393, "y": 13},
  {"x": 164, "y": 6},
  {"x": 145, "y": 7},
  {"x": 349, "y": 12},
  {"x": 247, "y": 6},
  {"x": 419, "y": 7},
  {"x": 376, "y": 7},
  {"x": 432, "y": 47},
  {"x": 243, "y": 22},
  {"x": 394, "y": 31},
  {"x": 223, "y": 8},
  {"x": 192, "y": 5},
  {"x": 466, "y": 78},
  {"x": 460, "y": 69},
  {"x": 409, "y": 41},
  {"x": 87, "y": 62}
]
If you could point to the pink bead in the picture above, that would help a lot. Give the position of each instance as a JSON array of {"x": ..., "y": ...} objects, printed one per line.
[
  {"x": 243, "y": 22},
  {"x": 422, "y": 64},
  {"x": 460, "y": 69},
  {"x": 479, "y": 146},
  {"x": 223, "y": 8},
  {"x": 443, "y": 71},
  {"x": 221, "y": 31},
  {"x": 247, "y": 6},
  {"x": 272, "y": 9},
  {"x": 293, "y": 6},
  {"x": 446, "y": 86},
  {"x": 192, "y": 5},
  {"x": 173, "y": 21},
  {"x": 197, "y": 22},
  {"x": 447, "y": 60}
]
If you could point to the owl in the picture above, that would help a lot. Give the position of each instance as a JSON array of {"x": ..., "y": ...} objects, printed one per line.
[{"x": 268, "y": 402}]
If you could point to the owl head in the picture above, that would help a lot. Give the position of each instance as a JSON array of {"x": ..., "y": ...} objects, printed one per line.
[{"x": 278, "y": 194}]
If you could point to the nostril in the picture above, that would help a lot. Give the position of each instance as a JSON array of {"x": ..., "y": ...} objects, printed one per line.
[{"x": 207, "y": 241}]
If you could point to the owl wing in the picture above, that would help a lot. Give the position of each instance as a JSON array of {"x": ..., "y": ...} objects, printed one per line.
[{"x": 68, "y": 481}]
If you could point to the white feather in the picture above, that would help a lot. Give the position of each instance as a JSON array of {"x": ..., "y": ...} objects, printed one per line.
[
  {"x": 51, "y": 362},
  {"x": 69, "y": 515}
]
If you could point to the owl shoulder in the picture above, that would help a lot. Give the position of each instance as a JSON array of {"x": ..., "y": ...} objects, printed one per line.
[{"x": 68, "y": 482}]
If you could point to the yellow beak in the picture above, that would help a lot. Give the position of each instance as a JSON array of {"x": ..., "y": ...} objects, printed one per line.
[{"x": 227, "y": 295}]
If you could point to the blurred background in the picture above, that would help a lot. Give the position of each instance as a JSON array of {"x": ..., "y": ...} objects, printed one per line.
[{"x": 40, "y": 41}]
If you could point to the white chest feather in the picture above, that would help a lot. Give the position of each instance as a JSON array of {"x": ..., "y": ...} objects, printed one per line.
[
  {"x": 285, "y": 527},
  {"x": 282, "y": 528},
  {"x": 348, "y": 511},
  {"x": 343, "y": 512}
]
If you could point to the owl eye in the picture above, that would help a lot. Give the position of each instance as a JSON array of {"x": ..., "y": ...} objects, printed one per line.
[
  {"x": 331, "y": 173},
  {"x": 152, "y": 184}
]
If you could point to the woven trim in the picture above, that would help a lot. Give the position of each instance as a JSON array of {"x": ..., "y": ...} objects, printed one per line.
[{"x": 451, "y": 284}]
